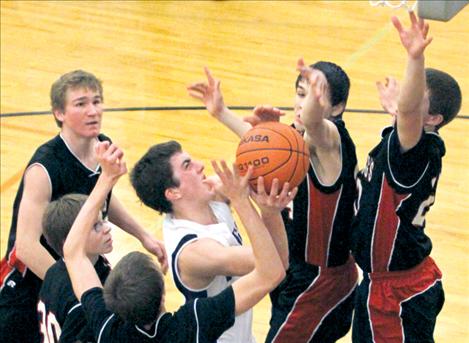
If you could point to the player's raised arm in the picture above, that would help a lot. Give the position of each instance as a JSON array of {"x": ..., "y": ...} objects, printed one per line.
[
  {"x": 268, "y": 267},
  {"x": 413, "y": 102},
  {"x": 81, "y": 270},
  {"x": 270, "y": 206},
  {"x": 320, "y": 132},
  {"x": 210, "y": 94}
]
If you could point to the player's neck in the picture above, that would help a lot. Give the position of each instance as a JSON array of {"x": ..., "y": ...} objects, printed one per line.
[
  {"x": 200, "y": 213},
  {"x": 93, "y": 259},
  {"x": 81, "y": 147},
  {"x": 429, "y": 128}
]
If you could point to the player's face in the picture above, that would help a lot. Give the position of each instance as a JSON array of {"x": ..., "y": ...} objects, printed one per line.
[
  {"x": 83, "y": 112},
  {"x": 301, "y": 93},
  {"x": 191, "y": 176},
  {"x": 100, "y": 238}
]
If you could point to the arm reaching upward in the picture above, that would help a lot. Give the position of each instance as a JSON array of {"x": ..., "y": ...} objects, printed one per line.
[
  {"x": 413, "y": 102},
  {"x": 210, "y": 94},
  {"x": 268, "y": 267},
  {"x": 271, "y": 206},
  {"x": 81, "y": 270},
  {"x": 320, "y": 134}
]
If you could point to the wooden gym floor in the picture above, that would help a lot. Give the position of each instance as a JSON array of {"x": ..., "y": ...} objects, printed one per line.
[{"x": 147, "y": 52}]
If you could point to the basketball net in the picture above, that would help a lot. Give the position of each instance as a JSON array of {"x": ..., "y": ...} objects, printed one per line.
[{"x": 407, "y": 4}]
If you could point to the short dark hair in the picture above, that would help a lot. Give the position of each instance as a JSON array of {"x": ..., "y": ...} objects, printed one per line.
[
  {"x": 134, "y": 289},
  {"x": 72, "y": 80},
  {"x": 444, "y": 95},
  {"x": 58, "y": 219},
  {"x": 152, "y": 175},
  {"x": 338, "y": 80}
]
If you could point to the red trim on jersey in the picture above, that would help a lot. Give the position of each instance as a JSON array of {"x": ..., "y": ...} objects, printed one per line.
[
  {"x": 8, "y": 265},
  {"x": 321, "y": 215},
  {"x": 386, "y": 225},
  {"x": 327, "y": 291},
  {"x": 388, "y": 290}
]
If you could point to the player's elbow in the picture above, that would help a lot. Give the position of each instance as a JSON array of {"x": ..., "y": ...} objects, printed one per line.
[
  {"x": 275, "y": 276},
  {"x": 70, "y": 251},
  {"x": 24, "y": 246}
]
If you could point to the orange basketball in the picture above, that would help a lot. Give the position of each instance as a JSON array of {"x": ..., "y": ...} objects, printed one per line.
[{"x": 275, "y": 150}]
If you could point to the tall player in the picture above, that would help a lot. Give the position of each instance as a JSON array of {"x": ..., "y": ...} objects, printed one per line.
[
  {"x": 130, "y": 308},
  {"x": 61, "y": 316},
  {"x": 200, "y": 233},
  {"x": 401, "y": 293},
  {"x": 65, "y": 164},
  {"x": 315, "y": 301}
]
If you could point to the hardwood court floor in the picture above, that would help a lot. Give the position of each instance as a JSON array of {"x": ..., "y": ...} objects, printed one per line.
[{"x": 147, "y": 52}]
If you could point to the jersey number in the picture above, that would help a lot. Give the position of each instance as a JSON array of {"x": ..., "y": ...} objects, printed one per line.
[{"x": 50, "y": 328}]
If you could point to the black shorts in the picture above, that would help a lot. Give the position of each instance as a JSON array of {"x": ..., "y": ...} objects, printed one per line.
[{"x": 18, "y": 308}]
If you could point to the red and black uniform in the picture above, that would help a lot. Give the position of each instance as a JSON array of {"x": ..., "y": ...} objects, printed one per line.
[
  {"x": 19, "y": 287},
  {"x": 401, "y": 293},
  {"x": 315, "y": 301}
]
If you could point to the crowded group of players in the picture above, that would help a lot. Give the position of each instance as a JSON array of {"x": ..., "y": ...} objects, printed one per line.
[{"x": 306, "y": 242}]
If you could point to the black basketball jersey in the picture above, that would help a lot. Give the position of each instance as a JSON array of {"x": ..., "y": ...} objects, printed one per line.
[
  {"x": 67, "y": 175},
  {"x": 60, "y": 314},
  {"x": 318, "y": 227},
  {"x": 201, "y": 320},
  {"x": 395, "y": 191}
]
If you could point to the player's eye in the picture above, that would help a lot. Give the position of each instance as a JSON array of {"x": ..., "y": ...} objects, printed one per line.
[{"x": 98, "y": 226}]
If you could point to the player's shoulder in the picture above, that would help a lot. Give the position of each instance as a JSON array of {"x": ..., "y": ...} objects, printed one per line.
[{"x": 57, "y": 271}]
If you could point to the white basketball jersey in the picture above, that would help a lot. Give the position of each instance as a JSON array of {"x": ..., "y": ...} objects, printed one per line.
[{"x": 178, "y": 233}]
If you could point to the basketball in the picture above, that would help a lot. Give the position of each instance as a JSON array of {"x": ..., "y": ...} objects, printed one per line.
[{"x": 275, "y": 150}]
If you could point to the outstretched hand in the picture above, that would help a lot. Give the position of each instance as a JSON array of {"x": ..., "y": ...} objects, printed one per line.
[
  {"x": 277, "y": 200},
  {"x": 414, "y": 39},
  {"x": 389, "y": 94},
  {"x": 209, "y": 93},
  {"x": 233, "y": 186},
  {"x": 317, "y": 93},
  {"x": 110, "y": 157},
  {"x": 264, "y": 113}
]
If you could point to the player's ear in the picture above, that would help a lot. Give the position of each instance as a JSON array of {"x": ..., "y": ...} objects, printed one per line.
[
  {"x": 59, "y": 115},
  {"x": 172, "y": 194},
  {"x": 433, "y": 119},
  {"x": 338, "y": 109}
]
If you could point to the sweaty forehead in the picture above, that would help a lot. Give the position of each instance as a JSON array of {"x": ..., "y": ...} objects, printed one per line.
[{"x": 79, "y": 92}]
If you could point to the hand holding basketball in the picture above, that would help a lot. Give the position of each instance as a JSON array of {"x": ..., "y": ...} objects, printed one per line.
[
  {"x": 274, "y": 201},
  {"x": 233, "y": 185}
]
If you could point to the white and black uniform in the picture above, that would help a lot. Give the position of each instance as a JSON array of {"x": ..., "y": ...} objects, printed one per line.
[{"x": 179, "y": 233}]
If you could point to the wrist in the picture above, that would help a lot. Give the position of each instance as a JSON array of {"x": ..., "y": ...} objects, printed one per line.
[{"x": 240, "y": 202}]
